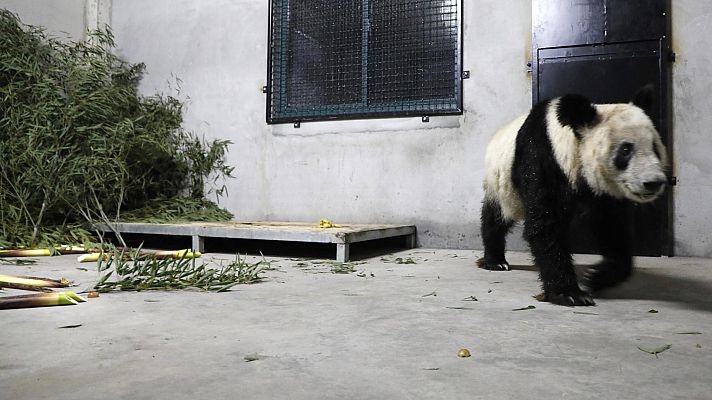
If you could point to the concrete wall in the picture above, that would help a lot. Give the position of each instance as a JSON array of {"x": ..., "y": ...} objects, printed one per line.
[
  {"x": 692, "y": 126},
  {"x": 62, "y": 18},
  {"x": 397, "y": 171}
]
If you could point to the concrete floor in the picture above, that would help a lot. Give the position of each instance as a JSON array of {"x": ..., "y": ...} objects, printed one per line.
[{"x": 313, "y": 334}]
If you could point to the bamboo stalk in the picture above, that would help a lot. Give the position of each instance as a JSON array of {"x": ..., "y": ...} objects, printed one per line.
[
  {"x": 159, "y": 255},
  {"x": 40, "y": 300},
  {"x": 25, "y": 253},
  {"x": 35, "y": 281},
  {"x": 71, "y": 250},
  {"x": 22, "y": 286},
  {"x": 75, "y": 297},
  {"x": 185, "y": 253},
  {"x": 92, "y": 257}
]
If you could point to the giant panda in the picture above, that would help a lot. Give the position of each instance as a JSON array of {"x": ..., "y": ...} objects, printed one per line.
[{"x": 566, "y": 155}]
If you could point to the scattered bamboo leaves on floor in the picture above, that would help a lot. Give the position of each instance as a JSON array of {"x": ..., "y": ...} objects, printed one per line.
[
  {"x": 655, "y": 351},
  {"x": 585, "y": 313},
  {"x": 328, "y": 266},
  {"x": 688, "y": 333},
  {"x": 17, "y": 261},
  {"x": 433, "y": 293},
  {"x": 343, "y": 268},
  {"x": 524, "y": 308},
  {"x": 653, "y": 311},
  {"x": 399, "y": 260},
  {"x": 253, "y": 357},
  {"x": 406, "y": 260},
  {"x": 144, "y": 272},
  {"x": 72, "y": 326}
]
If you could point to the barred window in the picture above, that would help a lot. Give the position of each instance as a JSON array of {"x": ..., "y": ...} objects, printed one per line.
[{"x": 339, "y": 59}]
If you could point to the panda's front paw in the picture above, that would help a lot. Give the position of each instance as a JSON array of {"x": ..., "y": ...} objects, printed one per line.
[
  {"x": 493, "y": 265},
  {"x": 605, "y": 274},
  {"x": 568, "y": 298}
]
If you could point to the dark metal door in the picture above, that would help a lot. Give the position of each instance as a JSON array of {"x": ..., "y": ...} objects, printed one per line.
[{"x": 607, "y": 50}]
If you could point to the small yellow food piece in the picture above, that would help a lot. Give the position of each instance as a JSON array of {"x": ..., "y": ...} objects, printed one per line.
[
  {"x": 325, "y": 223},
  {"x": 91, "y": 257}
]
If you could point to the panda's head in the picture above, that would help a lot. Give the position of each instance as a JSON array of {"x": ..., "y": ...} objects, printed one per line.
[{"x": 621, "y": 151}]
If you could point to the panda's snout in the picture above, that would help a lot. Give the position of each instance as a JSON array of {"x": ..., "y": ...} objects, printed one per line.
[
  {"x": 653, "y": 186},
  {"x": 649, "y": 189}
]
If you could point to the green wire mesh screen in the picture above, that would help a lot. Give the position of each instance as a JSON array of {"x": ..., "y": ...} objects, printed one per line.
[{"x": 332, "y": 59}]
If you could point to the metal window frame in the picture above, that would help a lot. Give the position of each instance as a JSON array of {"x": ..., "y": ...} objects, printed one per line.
[{"x": 374, "y": 113}]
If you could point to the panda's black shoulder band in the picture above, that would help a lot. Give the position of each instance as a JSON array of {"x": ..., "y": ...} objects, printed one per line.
[{"x": 576, "y": 111}]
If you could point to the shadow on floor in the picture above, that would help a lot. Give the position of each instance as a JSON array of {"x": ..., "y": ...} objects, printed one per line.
[{"x": 655, "y": 285}]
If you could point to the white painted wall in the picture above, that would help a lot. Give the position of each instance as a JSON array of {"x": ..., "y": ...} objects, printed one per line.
[
  {"x": 62, "y": 18},
  {"x": 692, "y": 126},
  {"x": 390, "y": 171}
]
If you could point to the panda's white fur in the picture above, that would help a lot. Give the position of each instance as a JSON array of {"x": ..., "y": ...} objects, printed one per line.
[
  {"x": 499, "y": 158},
  {"x": 590, "y": 157}
]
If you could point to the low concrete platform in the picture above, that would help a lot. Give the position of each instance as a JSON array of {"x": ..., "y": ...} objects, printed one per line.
[
  {"x": 341, "y": 236},
  {"x": 391, "y": 329}
]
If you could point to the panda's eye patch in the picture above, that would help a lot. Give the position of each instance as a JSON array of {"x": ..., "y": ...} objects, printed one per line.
[
  {"x": 623, "y": 155},
  {"x": 626, "y": 149}
]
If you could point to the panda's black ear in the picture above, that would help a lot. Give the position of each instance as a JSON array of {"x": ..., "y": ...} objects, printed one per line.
[
  {"x": 645, "y": 98},
  {"x": 576, "y": 111}
]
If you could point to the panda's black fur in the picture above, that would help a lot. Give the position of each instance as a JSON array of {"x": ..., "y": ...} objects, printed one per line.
[{"x": 550, "y": 201}]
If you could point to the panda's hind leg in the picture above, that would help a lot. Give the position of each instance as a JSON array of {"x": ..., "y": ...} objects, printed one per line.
[{"x": 494, "y": 233}]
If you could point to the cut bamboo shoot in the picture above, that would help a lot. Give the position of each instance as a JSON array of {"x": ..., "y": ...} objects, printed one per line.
[
  {"x": 33, "y": 281},
  {"x": 25, "y": 253},
  {"x": 185, "y": 253},
  {"x": 71, "y": 250},
  {"x": 91, "y": 257},
  {"x": 40, "y": 300}
]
